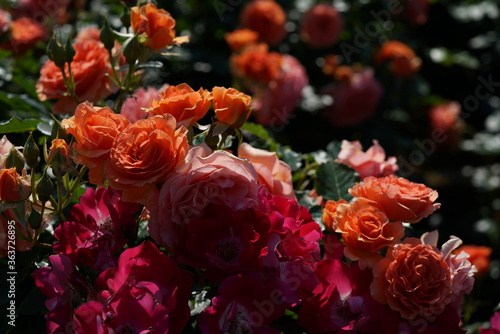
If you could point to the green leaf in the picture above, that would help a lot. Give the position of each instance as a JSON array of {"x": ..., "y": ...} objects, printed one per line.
[
  {"x": 291, "y": 157},
  {"x": 261, "y": 133},
  {"x": 333, "y": 181},
  {"x": 333, "y": 149},
  {"x": 16, "y": 125}
]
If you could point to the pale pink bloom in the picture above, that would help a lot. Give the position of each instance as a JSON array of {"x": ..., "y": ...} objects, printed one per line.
[
  {"x": 134, "y": 107},
  {"x": 370, "y": 163}
]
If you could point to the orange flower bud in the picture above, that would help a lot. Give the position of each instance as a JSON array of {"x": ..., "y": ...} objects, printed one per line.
[
  {"x": 404, "y": 62},
  {"x": 156, "y": 25},
  {"x": 13, "y": 187},
  {"x": 231, "y": 106},
  {"x": 240, "y": 38},
  {"x": 59, "y": 158}
]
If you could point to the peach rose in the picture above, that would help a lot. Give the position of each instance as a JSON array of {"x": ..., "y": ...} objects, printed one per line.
[
  {"x": 321, "y": 26},
  {"x": 240, "y": 38},
  {"x": 91, "y": 71},
  {"x": 267, "y": 18},
  {"x": 94, "y": 130},
  {"x": 417, "y": 279},
  {"x": 275, "y": 174},
  {"x": 404, "y": 62},
  {"x": 157, "y": 25},
  {"x": 400, "y": 199},
  {"x": 231, "y": 106},
  {"x": 182, "y": 102},
  {"x": 369, "y": 163},
  {"x": 330, "y": 213},
  {"x": 479, "y": 256},
  {"x": 366, "y": 231},
  {"x": 206, "y": 178},
  {"x": 445, "y": 118},
  {"x": 145, "y": 153},
  {"x": 13, "y": 187}
]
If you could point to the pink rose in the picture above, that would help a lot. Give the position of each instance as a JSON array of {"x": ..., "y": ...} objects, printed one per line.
[
  {"x": 206, "y": 178},
  {"x": 370, "y": 163},
  {"x": 354, "y": 100},
  {"x": 275, "y": 104},
  {"x": 273, "y": 173},
  {"x": 134, "y": 107},
  {"x": 321, "y": 26}
]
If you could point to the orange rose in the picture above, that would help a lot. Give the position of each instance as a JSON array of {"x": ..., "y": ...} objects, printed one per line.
[
  {"x": 445, "y": 118},
  {"x": 400, "y": 199},
  {"x": 366, "y": 230},
  {"x": 330, "y": 213},
  {"x": 404, "y": 62},
  {"x": 25, "y": 33},
  {"x": 417, "y": 279},
  {"x": 231, "y": 106},
  {"x": 267, "y": 18},
  {"x": 321, "y": 26},
  {"x": 240, "y": 38},
  {"x": 156, "y": 25},
  {"x": 13, "y": 187},
  {"x": 182, "y": 102},
  {"x": 479, "y": 256},
  {"x": 275, "y": 174},
  {"x": 145, "y": 153},
  {"x": 257, "y": 64},
  {"x": 91, "y": 70},
  {"x": 94, "y": 130}
]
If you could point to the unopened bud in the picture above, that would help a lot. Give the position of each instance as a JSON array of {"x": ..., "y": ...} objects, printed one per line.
[
  {"x": 55, "y": 52},
  {"x": 15, "y": 160},
  {"x": 132, "y": 51},
  {"x": 35, "y": 219},
  {"x": 107, "y": 36},
  {"x": 44, "y": 187},
  {"x": 58, "y": 158},
  {"x": 69, "y": 51},
  {"x": 31, "y": 152}
]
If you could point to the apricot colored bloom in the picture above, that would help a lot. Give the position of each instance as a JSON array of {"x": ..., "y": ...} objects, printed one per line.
[
  {"x": 330, "y": 213},
  {"x": 273, "y": 173},
  {"x": 5, "y": 146},
  {"x": 240, "y": 38},
  {"x": 400, "y": 199},
  {"x": 91, "y": 71},
  {"x": 370, "y": 163},
  {"x": 88, "y": 33},
  {"x": 267, "y": 18},
  {"x": 417, "y": 279},
  {"x": 145, "y": 153},
  {"x": 366, "y": 231},
  {"x": 321, "y": 26},
  {"x": 257, "y": 64},
  {"x": 231, "y": 106},
  {"x": 445, "y": 118},
  {"x": 156, "y": 25},
  {"x": 13, "y": 187},
  {"x": 355, "y": 98},
  {"x": 182, "y": 102},
  {"x": 404, "y": 62},
  {"x": 24, "y": 34},
  {"x": 94, "y": 130},
  {"x": 479, "y": 256}
]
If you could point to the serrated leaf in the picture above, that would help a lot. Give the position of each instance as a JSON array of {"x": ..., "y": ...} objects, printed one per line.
[
  {"x": 333, "y": 181},
  {"x": 16, "y": 125}
]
